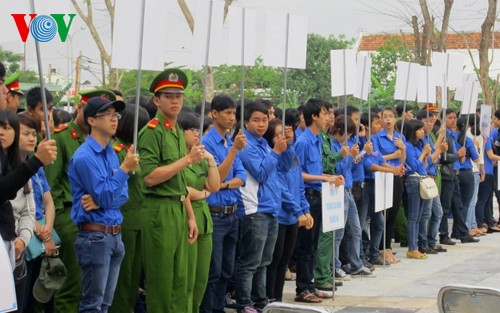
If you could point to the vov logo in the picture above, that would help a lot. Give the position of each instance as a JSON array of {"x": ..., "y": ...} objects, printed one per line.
[{"x": 43, "y": 28}]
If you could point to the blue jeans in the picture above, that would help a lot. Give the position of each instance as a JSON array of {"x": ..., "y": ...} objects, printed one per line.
[
  {"x": 224, "y": 240},
  {"x": 451, "y": 200},
  {"x": 376, "y": 221},
  {"x": 99, "y": 256},
  {"x": 415, "y": 208},
  {"x": 434, "y": 222},
  {"x": 258, "y": 233},
  {"x": 351, "y": 220},
  {"x": 484, "y": 203},
  {"x": 471, "y": 211}
]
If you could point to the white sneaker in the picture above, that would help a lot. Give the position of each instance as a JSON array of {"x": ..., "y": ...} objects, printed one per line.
[{"x": 341, "y": 275}]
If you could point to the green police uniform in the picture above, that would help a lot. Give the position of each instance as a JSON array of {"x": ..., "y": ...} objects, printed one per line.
[
  {"x": 132, "y": 228},
  {"x": 165, "y": 239},
  {"x": 68, "y": 138},
  {"x": 199, "y": 253},
  {"x": 324, "y": 252}
]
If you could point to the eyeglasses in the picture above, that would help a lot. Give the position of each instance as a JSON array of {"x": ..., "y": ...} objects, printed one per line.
[
  {"x": 171, "y": 96},
  {"x": 109, "y": 115}
]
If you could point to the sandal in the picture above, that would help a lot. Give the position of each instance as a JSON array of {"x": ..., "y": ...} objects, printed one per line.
[
  {"x": 307, "y": 297},
  {"x": 323, "y": 294},
  {"x": 289, "y": 275},
  {"x": 416, "y": 255}
]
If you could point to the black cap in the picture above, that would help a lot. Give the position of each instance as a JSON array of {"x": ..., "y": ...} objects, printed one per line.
[{"x": 99, "y": 104}]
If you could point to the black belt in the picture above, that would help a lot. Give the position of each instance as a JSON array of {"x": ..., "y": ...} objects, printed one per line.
[
  {"x": 112, "y": 229},
  {"x": 463, "y": 170},
  {"x": 224, "y": 209},
  {"x": 313, "y": 192},
  {"x": 360, "y": 184},
  {"x": 177, "y": 198},
  {"x": 369, "y": 180}
]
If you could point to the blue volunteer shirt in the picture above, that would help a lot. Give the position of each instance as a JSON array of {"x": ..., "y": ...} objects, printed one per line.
[
  {"x": 358, "y": 172},
  {"x": 488, "y": 163},
  {"x": 431, "y": 166},
  {"x": 374, "y": 158},
  {"x": 413, "y": 164},
  {"x": 453, "y": 137},
  {"x": 344, "y": 166},
  {"x": 471, "y": 153},
  {"x": 219, "y": 147},
  {"x": 95, "y": 170},
  {"x": 40, "y": 187},
  {"x": 294, "y": 203},
  {"x": 309, "y": 150},
  {"x": 298, "y": 132},
  {"x": 385, "y": 145},
  {"x": 262, "y": 192}
]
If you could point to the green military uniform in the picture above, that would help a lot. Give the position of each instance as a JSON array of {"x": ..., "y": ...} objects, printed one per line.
[
  {"x": 199, "y": 253},
  {"x": 324, "y": 252},
  {"x": 165, "y": 239},
  {"x": 68, "y": 138},
  {"x": 132, "y": 232}
]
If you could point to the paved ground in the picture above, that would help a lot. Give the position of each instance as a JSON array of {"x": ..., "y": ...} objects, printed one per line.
[{"x": 413, "y": 285}]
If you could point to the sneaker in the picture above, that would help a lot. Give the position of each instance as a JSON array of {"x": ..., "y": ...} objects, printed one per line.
[
  {"x": 362, "y": 272},
  {"x": 427, "y": 250},
  {"x": 379, "y": 262},
  {"x": 369, "y": 265},
  {"x": 341, "y": 275},
  {"x": 338, "y": 283},
  {"x": 323, "y": 294}
]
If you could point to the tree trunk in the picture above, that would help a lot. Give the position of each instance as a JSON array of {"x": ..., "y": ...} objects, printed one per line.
[
  {"x": 484, "y": 63},
  {"x": 441, "y": 45}
]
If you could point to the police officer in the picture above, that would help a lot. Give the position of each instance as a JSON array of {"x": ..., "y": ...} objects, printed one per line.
[
  {"x": 170, "y": 221},
  {"x": 14, "y": 92},
  {"x": 68, "y": 138}
]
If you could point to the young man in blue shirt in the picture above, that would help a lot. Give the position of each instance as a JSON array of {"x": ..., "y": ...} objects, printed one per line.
[
  {"x": 223, "y": 204},
  {"x": 258, "y": 207},
  {"x": 309, "y": 150},
  {"x": 99, "y": 187}
]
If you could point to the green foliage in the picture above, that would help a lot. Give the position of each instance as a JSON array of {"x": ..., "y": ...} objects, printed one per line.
[
  {"x": 385, "y": 58},
  {"x": 11, "y": 60}
]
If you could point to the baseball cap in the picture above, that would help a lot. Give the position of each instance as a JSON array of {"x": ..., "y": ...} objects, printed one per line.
[{"x": 52, "y": 276}]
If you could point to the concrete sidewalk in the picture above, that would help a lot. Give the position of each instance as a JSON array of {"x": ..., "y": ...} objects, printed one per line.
[{"x": 413, "y": 285}]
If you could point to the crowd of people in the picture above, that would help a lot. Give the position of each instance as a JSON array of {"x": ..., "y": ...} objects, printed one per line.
[{"x": 193, "y": 214}]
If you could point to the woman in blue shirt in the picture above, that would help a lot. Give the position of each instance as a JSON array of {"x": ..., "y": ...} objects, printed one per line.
[{"x": 418, "y": 156}]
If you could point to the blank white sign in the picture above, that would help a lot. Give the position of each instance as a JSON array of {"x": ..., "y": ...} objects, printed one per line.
[
  {"x": 451, "y": 64},
  {"x": 406, "y": 81},
  {"x": 241, "y": 23},
  {"x": 343, "y": 72},
  {"x": 426, "y": 85},
  {"x": 363, "y": 77}
]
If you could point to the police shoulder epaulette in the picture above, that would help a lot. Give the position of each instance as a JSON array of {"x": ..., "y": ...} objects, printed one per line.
[
  {"x": 119, "y": 147},
  {"x": 153, "y": 123},
  {"x": 60, "y": 128}
]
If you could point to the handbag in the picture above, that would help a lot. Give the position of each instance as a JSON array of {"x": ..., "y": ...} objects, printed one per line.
[
  {"x": 36, "y": 247},
  {"x": 428, "y": 188}
]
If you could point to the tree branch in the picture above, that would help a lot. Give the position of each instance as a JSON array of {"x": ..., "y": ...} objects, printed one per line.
[{"x": 187, "y": 14}]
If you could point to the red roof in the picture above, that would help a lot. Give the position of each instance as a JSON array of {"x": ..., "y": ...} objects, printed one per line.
[{"x": 454, "y": 41}]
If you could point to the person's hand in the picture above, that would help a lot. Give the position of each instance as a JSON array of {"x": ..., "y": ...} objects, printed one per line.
[
  {"x": 44, "y": 233},
  {"x": 354, "y": 151},
  {"x": 50, "y": 248},
  {"x": 47, "y": 151},
  {"x": 193, "y": 231},
  {"x": 368, "y": 147},
  {"x": 337, "y": 180},
  {"x": 240, "y": 141},
  {"x": 302, "y": 220},
  {"x": 310, "y": 221},
  {"x": 344, "y": 150},
  {"x": 400, "y": 144},
  {"x": 399, "y": 170},
  {"x": 427, "y": 149},
  {"x": 131, "y": 161},
  {"x": 196, "y": 154},
  {"x": 209, "y": 157},
  {"x": 442, "y": 131},
  {"x": 289, "y": 135},
  {"x": 280, "y": 144},
  {"x": 19, "y": 247},
  {"x": 88, "y": 203},
  {"x": 461, "y": 152}
]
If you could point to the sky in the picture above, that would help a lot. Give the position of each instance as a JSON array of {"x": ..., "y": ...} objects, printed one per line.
[{"x": 326, "y": 17}]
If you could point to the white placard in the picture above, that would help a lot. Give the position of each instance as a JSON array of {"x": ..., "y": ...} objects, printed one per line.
[
  {"x": 363, "y": 77},
  {"x": 216, "y": 51},
  {"x": 278, "y": 25},
  {"x": 343, "y": 72},
  {"x": 460, "y": 92},
  {"x": 406, "y": 81},
  {"x": 8, "y": 302},
  {"x": 451, "y": 64},
  {"x": 159, "y": 46},
  {"x": 384, "y": 185},
  {"x": 470, "y": 97},
  {"x": 485, "y": 119},
  {"x": 426, "y": 85},
  {"x": 332, "y": 207},
  {"x": 241, "y": 23}
]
